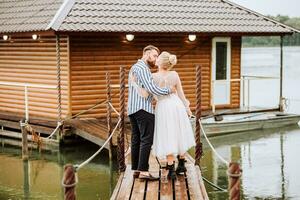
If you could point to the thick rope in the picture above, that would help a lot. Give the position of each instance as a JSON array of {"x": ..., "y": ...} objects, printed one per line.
[
  {"x": 121, "y": 140},
  {"x": 211, "y": 146},
  {"x": 69, "y": 182},
  {"x": 101, "y": 102},
  {"x": 198, "y": 152},
  {"x": 70, "y": 175},
  {"x": 54, "y": 131},
  {"x": 234, "y": 174},
  {"x": 114, "y": 108},
  {"x": 58, "y": 77},
  {"x": 77, "y": 167},
  {"x": 214, "y": 185},
  {"x": 35, "y": 137}
]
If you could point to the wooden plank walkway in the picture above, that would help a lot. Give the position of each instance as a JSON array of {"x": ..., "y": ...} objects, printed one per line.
[{"x": 188, "y": 186}]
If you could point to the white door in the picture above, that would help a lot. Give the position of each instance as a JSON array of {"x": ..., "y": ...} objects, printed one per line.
[{"x": 221, "y": 62}]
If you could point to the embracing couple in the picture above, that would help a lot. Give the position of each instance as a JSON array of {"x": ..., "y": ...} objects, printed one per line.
[{"x": 167, "y": 127}]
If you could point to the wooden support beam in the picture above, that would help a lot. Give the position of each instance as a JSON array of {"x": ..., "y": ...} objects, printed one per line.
[{"x": 24, "y": 141}]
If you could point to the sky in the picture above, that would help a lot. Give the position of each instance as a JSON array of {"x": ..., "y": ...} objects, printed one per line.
[{"x": 272, "y": 7}]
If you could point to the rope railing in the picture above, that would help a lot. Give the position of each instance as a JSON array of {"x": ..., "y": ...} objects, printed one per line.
[
  {"x": 121, "y": 136},
  {"x": 59, "y": 124},
  {"x": 233, "y": 172},
  {"x": 70, "y": 178},
  {"x": 101, "y": 102},
  {"x": 70, "y": 175},
  {"x": 211, "y": 146},
  {"x": 77, "y": 167},
  {"x": 112, "y": 107}
]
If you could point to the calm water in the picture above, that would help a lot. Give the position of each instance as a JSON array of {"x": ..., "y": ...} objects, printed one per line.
[
  {"x": 40, "y": 178},
  {"x": 268, "y": 158}
]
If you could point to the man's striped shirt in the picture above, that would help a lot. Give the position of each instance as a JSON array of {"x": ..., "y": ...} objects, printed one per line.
[{"x": 144, "y": 79}]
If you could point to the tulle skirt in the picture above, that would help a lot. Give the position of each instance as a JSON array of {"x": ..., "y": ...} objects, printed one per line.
[{"x": 173, "y": 133}]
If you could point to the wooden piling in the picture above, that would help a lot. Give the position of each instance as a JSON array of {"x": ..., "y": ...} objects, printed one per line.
[
  {"x": 234, "y": 174},
  {"x": 121, "y": 136},
  {"x": 198, "y": 152},
  {"x": 69, "y": 182},
  {"x": 24, "y": 141},
  {"x": 281, "y": 109}
]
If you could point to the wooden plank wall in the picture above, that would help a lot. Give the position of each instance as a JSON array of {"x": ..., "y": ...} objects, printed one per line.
[
  {"x": 92, "y": 56},
  {"x": 24, "y": 60},
  {"x": 236, "y": 46}
]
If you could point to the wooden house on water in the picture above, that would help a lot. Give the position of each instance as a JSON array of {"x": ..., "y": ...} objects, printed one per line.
[{"x": 60, "y": 51}]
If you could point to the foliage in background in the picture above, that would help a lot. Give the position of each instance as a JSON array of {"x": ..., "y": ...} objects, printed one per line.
[{"x": 271, "y": 41}]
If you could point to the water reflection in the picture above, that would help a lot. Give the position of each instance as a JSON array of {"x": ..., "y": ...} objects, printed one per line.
[
  {"x": 268, "y": 161},
  {"x": 40, "y": 177},
  {"x": 282, "y": 166},
  {"x": 26, "y": 179}
]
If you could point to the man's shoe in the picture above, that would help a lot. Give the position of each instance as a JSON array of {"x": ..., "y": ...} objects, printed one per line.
[
  {"x": 149, "y": 177},
  {"x": 181, "y": 167},
  {"x": 136, "y": 174}
]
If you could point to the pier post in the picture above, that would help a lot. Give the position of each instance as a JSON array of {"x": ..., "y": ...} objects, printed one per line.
[
  {"x": 198, "y": 152},
  {"x": 69, "y": 182},
  {"x": 234, "y": 174},
  {"x": 24, "y": 141},
  {"x": 281, "y": 109},
  {"x": 108, "y": 114},
  {"x": 121, "y": 136}
]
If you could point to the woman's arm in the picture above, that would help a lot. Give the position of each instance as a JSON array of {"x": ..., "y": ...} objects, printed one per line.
[
  {"x": 181, "y": 95},
  {"x": 145, "y": 77}
]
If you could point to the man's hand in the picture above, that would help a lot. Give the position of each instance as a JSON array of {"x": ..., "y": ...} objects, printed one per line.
[{"x": 154, "y": 101}]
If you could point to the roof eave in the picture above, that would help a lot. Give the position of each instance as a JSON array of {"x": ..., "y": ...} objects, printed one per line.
[
  {"x": 60, "y": 15},
  {"x": 292, "y": 29}
]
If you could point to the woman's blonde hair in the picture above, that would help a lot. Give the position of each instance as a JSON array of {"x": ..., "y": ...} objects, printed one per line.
[{"x": 168, "y": 60}]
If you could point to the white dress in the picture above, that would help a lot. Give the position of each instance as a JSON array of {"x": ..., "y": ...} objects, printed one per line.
[{"x": 173, "y": 133}]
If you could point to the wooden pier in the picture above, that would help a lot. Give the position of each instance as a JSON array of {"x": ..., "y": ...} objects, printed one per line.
[
  {"x": 187, "y": 186},
  {"x": 93, "y": 130}
]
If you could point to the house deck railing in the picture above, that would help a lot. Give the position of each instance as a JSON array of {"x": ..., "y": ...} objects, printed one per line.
[
  {"x": 245, "y": 81},
  {"x": 26, "y": 86}
]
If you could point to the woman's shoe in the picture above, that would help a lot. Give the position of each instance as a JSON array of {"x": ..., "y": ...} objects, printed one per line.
[
  {"x": 171, "y": 173},
  {"x": 181, "y": 167}
]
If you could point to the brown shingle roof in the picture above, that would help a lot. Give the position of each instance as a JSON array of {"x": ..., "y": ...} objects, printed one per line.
[
  {"x": 135, "y": 16},
  {"x": 165, "y": 16},
  {"x": 27, "y": 15}
]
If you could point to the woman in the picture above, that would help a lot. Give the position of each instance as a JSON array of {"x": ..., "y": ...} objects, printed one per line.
[{"x": 173, "y": 134}]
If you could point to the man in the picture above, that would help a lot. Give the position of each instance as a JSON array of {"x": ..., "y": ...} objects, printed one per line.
[{"x": 141, "y": 112}]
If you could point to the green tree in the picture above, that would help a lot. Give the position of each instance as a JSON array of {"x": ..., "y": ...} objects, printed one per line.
[{"x": 270, "y": 41}]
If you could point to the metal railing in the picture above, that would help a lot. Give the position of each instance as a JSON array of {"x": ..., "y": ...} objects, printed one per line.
[
  {"x": 242, "y": 80},
  {"x": 26, "y": 86}
]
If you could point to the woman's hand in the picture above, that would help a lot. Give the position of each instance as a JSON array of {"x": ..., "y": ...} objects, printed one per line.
[{"x": 189, "y": 112}]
